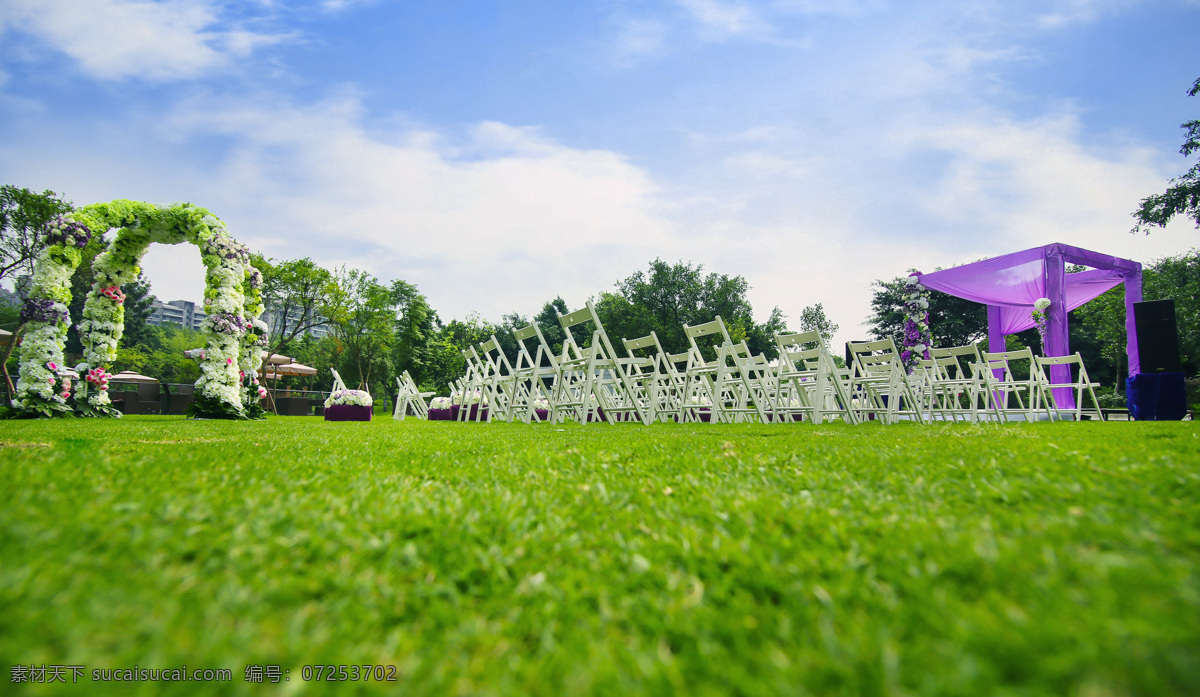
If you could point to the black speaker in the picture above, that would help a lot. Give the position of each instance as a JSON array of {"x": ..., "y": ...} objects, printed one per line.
[{"x": 1157, "y": 336}]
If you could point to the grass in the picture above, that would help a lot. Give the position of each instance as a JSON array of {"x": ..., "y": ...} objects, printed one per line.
[{"x": 1028, "y": 559}]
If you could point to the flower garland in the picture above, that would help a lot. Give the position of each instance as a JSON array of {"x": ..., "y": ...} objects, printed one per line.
[
  {"x": 45, "y": 315},
  {"x": 1041, "y": 308},
  {"x": 232, "y": 298},
  {"x": 917, "y": 337}
]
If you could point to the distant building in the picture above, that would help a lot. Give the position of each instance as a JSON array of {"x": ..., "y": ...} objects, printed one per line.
[
  {"x": 274, "y": 322},
  {"x": 181, "y": 313}
]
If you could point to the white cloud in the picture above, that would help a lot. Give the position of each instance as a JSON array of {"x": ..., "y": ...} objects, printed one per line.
[
  {"x": 722, "y": 19},
  {"x": 636, "y": 40},
  {"x": 114, "y": 39},
  {"x": 497, "y": 219}
]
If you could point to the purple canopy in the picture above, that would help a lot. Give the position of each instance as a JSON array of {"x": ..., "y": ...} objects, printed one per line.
[{"x": 1010, "y": 284}]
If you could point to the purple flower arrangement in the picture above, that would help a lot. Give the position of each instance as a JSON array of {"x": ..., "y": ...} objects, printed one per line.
[
  {"x": 67, "y": 232},
  {"x": 917, "y": 337},
  {"x": 43, "y": 310},
  {"x": 226, "y": 323},
  {"x": 224, "y": 247}
]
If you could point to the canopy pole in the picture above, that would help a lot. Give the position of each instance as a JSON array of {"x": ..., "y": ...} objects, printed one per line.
[
  {"x": 1057, "y": 340},
  {"x": 996, "y": 344},
  {"x": 1133, "y": 294}
]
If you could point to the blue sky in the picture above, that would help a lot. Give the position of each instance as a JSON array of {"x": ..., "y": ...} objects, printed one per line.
[{"x": 500, "y": 153}]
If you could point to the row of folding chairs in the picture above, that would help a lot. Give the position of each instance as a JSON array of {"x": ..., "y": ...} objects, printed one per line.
[
  {"x": 715, "y": 380},
  {"x": 719, "y": 380},
  {"x": 965, "y": 384}
]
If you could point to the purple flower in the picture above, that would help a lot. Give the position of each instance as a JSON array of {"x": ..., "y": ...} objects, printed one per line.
[
  {"x": 226, "y": 323},
  {"x": 67, "y": 233},
  {"x": 42, "y": 310}
]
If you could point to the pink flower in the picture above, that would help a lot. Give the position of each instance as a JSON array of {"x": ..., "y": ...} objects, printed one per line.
[
  {"x": 52, "y": 367},
  {"x": 242, "y": 374},
  {"x": 229, "y": 361},
  {"x": 49, "y": 381},
  {"x": 113, "y": 293},
  {"x": 66, "y": 395}
]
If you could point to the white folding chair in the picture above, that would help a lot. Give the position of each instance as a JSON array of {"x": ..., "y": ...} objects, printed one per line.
[
  {"x": 955, "y": 382},
  {"x": 535, "y": 375},
  {"x": 879, "y": 383},
  {"x": 500, "y": 379},
  {"x": 1067, "y": 398},
  {"x": 669, "y": 382},
  {"x": 809, "y": 380},
  {"x": 337, "y": 381},
  {"x": 591, "y": 382},
  {"x": 410, "y": 397},
  {"x": 1001, "y": 382},
  {"x": 746, "y": 383},
  {"x": 701, "y": 372},
  {"x": 474, "y": 390}
]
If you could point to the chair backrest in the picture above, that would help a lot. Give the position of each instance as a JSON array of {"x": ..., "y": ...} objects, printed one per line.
[
  {"x": 497, "y": 363},
  {"x": 968, "y": 353},
  {"x": 337, "y": 381},
  {"x": 644, "y": 342},
  {"x": 799, "y": 350},
  {"x": 582, "y": 316},
  {"x": 869, "y": 357},
  {"x": 533, "y": 359},
  {"x": 1003, "y": 360},
  {"x": 717, "y": 326},
  {"x": 572, "y": 351}
]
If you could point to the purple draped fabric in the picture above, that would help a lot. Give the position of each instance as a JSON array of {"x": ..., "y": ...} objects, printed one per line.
[{"x": 1010, "y": 284}]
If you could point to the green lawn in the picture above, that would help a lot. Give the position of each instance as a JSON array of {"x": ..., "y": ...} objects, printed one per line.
[{"x": 1041, "y": 559}]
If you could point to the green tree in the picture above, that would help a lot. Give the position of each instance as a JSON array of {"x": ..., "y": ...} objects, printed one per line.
[
  {"x": 667, "y": 296},
  {"x": 952, "y": 321},
  {"x": 1182, "y": 197},
  {"x": 1103, "y": 319},
  {"x": 415, "y": 327},
  {"x": 23, "y": 214},
  {"x": 295, "y": 295},
  {"x": 81, "y": 284},
  {"x": 138, "y": 307},
  {"x": 812, "y": 318},
  {"x": 547, "y": 321},
  {"x": 362, "y": 312}
]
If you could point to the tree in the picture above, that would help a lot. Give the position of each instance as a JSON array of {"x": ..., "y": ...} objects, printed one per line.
[
  {"x": 139, "y": 305},
  {"x": 953, "y": 321},
  {"x": 415, "y": 327},
  {"x": 1182, "y": 197},
  {"x": 23, "y": 214},
  {"x": 81, "y": 284},
  {"x": 1103, "y": 319},
  {"x": 295, "y": 294},
  {"x": 812, "y": 318},
  {"x": 667, "y": 296},
  {"x": 547, "y": 321},
  {"x": 362, "y": 312}
]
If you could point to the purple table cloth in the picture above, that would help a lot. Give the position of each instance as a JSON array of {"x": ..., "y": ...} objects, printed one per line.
[{"x": 347, "y": 412}]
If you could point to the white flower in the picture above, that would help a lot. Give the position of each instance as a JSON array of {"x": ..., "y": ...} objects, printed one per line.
[
  {"x": 349, "y": 397},
  {"x": 1041, "y": 303}
]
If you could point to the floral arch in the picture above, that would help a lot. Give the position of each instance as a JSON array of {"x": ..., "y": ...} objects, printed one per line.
[{"x": 234, "y": 336}]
